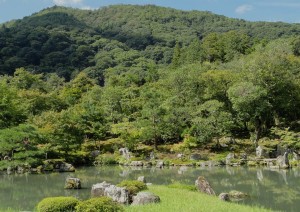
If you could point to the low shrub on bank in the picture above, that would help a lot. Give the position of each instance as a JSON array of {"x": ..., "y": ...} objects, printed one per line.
[
  {"x": 57, "y": 204},
  {"x": 100, "y": 204},
  {"x": 133, "y": 186}
]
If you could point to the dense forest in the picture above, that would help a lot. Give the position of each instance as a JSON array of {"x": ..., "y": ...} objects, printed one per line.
[{"x": 73, "y": 81}]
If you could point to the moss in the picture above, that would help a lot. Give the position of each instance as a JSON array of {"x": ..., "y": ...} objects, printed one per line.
[
  {"x": 57, "y": 204},
  {"x": 133, "y": 186},
  {"x": 104, "y": 204}
]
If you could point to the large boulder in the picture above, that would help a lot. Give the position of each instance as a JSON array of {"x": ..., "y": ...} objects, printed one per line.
[
  {"x": 125, "y": 153},
  {"x": 72, "y": 183},
  {"x": 229, "y": 158},
  {"x": 136, "y": 163},
  {"x": 195, "y": 156},
  {"x": 66, "y": 167},
  {"x": 224, "y": 197},
  {"x": 202, "y": 185},
  {"x": 296, "y": 156},
  {"x": 143, "y": 198},
  {"x": 261, "y": 152},
  {"x": 237, "y": 195},
  {"x": 283, "y": 161},
  {"x": 160, "y": 164},
  {"x": 118, "y": 194}
]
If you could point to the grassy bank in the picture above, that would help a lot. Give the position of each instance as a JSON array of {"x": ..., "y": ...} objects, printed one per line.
[{"x": 174, "y": 199}]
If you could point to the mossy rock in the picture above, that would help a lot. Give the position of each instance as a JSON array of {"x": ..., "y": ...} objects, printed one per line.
[
  {"x": 57, "y": 204},
  {"x": 99, "y": 204},
  {"x": 133, "y": 186},
  {"x": 252, "y": 163}
]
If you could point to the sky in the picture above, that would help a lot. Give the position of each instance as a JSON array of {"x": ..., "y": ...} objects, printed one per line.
[{"x": 252, "y": 10}]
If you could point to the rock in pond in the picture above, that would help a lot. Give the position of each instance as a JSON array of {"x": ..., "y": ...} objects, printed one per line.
[
  {"x": 229, "y": 158},
  {"x": 143, "y": 198},
  {"x": 72, "y": 183},
  {"x": 202, "y": 185},
  {"x": 136, "y": 163},
  {"x": 120, "y": 195},
  {"x": 261, "y": 153},
  {"x": 283, "y": 161},
  {"x": 224, "y": 197},
  {"x": 195, "y": 156},
  {"x": 160, "y": 164},
  {"x": 237, "y": 195},
  {"x": 66, "y": 167}
]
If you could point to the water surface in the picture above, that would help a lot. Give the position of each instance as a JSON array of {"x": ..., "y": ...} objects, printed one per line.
[{"x": 275, "y": 189}]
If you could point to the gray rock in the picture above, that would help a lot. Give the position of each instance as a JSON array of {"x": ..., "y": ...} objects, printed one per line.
[
  {"x": 283, "y": 161},
  {"x": 152, "y": 155},
  {"x": 142, "y": 179},
  {"x": 73, "y": 183},
  {"x": 160, "y": 164},
  {"x": 20, "y": 170},
  {"x": 136, "y": 163},
  {"x": 224, "y": 197},
  {"x": 296, "y": 156},
  {"x": 66, "y": 167},
  {"x": 195, "y": 156},
  {"x": 143, "y": 198},
  {"x": 261, "y": 153},
  {"x": 125, "y": 153},
  {"x": 229, "y": 158},
  {"x": 118, "y": 194},
  {"x": 244, "y": 156},
  {"x": 202, "y": 185},
  {"x": 237, "y": 195},
  {"x": 9, "y": 170},
  {"x": 95, "y": 153},
  {"x": 180, "y": 156}
]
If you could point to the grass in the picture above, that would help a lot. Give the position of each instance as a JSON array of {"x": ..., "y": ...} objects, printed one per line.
[{"x": 179, "y": 200}]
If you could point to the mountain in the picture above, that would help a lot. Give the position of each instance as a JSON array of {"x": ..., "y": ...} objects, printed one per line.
[{"x": 66, "y": 41}]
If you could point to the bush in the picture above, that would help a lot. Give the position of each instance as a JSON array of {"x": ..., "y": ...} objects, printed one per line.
[
  {"x": 133, "y": 186},
  {"x": 182, "y": 186},
  {"x": 57, "y": 204},
  {"x": 100, "y": 204},
  {"x": 107, "y": 159}
]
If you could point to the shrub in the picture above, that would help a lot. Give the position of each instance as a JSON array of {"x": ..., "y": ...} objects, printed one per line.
[
  {"x": 107, "y": 159},
  {"x": 99, "y": 204},
  {"x": 133, "y": 186},
  {"x": 57, "y": 204}
]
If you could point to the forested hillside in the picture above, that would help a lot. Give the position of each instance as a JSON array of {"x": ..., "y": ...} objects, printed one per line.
[{"x": 75, "y": 81}]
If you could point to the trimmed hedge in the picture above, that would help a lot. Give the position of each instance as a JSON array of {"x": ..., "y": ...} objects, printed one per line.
[
  {"x": 99, "y": 204},
  {"x": 57, "y": 204}
]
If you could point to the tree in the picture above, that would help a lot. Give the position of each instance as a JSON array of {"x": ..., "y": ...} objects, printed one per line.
[
  {"x": 211, "y": 121},
  {"x": 251, "y": 104}
]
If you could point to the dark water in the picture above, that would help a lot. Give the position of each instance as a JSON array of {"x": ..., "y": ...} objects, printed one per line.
[{"x": 275, "y": 189}]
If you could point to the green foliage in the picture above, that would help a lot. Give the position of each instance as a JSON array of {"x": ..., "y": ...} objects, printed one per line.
[
  {"x": 57, "y": 204},
  {"x": 288, "y": 138},
  {"x": 100, "y": 204},
  {"x": 182, "y": 186},
  {"x": 108, "y": 159},
  {"x": 95, "y": 80},
  {"x": 133, "y": 186}
]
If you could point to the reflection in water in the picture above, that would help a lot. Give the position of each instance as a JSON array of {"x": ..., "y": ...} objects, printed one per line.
[
  {"x": 259, "y": 175},
  {"x": 276, "y": 189}
]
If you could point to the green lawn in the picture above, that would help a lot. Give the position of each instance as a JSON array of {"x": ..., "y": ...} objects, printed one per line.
[{"x": 182, "y": 200}]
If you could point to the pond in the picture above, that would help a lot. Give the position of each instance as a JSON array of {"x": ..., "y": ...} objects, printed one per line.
[{"x": 275, "y": 189}]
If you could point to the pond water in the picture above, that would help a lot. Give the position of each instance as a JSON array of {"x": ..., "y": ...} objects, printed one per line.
[{"x": 274, "y": 189}]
